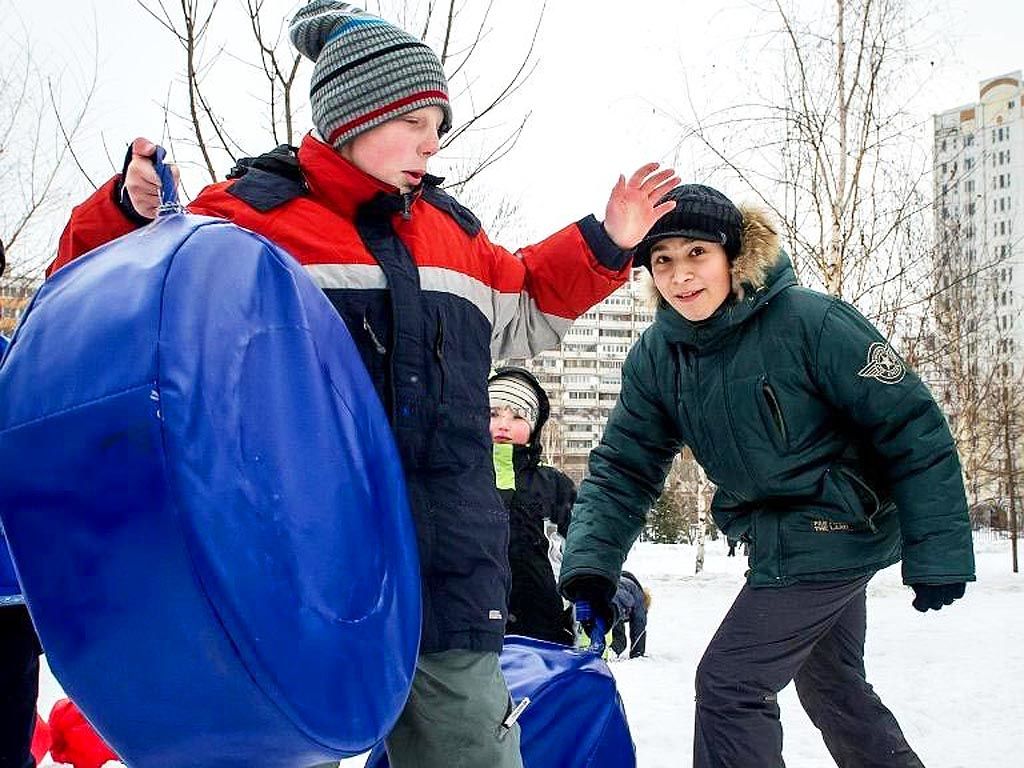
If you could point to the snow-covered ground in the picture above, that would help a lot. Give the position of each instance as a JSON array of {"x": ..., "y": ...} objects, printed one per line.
[{"x": 954, "y": 679}]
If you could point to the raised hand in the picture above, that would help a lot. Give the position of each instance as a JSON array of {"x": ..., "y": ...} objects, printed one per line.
[{"x": 633, "y": 206}]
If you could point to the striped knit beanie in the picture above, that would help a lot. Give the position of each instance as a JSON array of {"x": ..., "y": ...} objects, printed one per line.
[
  {"x": 367, "y": 71},
  {"x": 515, "y": 392}
]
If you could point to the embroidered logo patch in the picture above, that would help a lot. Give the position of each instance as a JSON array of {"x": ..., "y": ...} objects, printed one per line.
[{"x": 883, "y": 364}]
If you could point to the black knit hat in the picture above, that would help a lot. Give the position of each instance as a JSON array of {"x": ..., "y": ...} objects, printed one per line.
[{"x": 701, "y": 213}]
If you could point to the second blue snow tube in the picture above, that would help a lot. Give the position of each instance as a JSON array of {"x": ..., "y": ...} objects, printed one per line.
[
  {"x": 575, "y": 718},
  {"x": 205, "y": 505}
]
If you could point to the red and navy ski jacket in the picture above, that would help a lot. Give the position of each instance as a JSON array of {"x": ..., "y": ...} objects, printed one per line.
[{"x": 430, "y": 301}]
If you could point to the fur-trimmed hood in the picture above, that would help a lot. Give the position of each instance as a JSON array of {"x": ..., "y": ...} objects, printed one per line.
[{"x": 759, "y": 254}]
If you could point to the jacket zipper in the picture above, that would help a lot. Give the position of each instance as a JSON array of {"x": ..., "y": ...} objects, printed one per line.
[
  {"x": 775, "y": 409},
  {"x": 381, "y": 349},
  {"x": 439, "y": 354}
]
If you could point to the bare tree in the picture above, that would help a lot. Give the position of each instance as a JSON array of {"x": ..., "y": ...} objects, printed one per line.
[
  {"x": 680, "y": 514},
  {"x": 828, "y": 145},
  {"x": 37, "y": 134},
  {"x": 1009, "y": 413},
  {"x": 207, "y": 133},
  {"x": 973, "y": 316}
]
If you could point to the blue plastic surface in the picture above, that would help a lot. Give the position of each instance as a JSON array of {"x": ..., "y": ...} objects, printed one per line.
[
  {"x": 575, "y": 718},
  {"x": 10, "y": 590},
  {"x": 205, "y": 506}
]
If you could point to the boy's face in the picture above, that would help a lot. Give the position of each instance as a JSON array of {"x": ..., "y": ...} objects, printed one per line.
[
  {"x": 691, "y": 275},
  {"x": 507, "y": 427},
  {"x": 396, "y": 152}
]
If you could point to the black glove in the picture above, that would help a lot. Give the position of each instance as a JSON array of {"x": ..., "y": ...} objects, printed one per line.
[{"x": 935, "y": 596}]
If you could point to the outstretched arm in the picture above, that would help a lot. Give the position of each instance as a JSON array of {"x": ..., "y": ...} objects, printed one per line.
[{"x": 539, "y": 291}]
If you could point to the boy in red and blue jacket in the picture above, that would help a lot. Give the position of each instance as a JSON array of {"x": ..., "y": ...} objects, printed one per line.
[{"x": 429, "y": 301}]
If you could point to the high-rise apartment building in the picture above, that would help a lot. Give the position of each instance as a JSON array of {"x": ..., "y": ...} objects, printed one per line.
[
  {"x": 979, "y": 221},
  {"x": 14, "y": 298},
  {"x": 979, "y": 205},
  {"x": 583, "y": 376}
]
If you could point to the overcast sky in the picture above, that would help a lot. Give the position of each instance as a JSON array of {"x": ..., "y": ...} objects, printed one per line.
[{"x": 609, "y": 75}]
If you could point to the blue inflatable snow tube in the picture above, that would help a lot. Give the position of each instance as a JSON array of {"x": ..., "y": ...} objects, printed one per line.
[
  {"x": 205, "y": 505},
  {"x": 575, "y": 718}
]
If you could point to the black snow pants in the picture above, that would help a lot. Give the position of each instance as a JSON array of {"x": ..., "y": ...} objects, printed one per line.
[
  {"x": 810, "y": 633},
  {"x": 19, "y": 686}
]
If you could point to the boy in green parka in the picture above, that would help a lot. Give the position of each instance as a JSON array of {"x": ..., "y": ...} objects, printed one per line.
[{"x": 831, "y": 460}]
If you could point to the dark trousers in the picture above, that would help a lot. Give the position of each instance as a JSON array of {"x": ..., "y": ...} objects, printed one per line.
[
  {"x": 19, "y": 686},
  {"x": 812, "y": 634}
]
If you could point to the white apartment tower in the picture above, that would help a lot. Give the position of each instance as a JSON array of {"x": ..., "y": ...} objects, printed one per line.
[
  {"x": 979, "y": 211},
  {"x": 583, "y": 376}
]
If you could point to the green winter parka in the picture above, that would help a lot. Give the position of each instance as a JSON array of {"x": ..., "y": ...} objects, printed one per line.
[{"x": 829, "y": 454}]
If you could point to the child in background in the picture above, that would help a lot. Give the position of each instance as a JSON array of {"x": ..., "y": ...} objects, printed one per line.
[
  {"x": 534, "y": 495},
  {"x": 631, "y": 603}
]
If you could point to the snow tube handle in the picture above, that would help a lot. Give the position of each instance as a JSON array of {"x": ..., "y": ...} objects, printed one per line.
[
  {"x": 596, "y": 632},
  {"x": 168, "y": 189}
]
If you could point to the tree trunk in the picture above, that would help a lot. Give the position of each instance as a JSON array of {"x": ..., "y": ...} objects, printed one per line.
[
  {"x": 1011, "y": 486},
  {"x": 701, "y": 518}
]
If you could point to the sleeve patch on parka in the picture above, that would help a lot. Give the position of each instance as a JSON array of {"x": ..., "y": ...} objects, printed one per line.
[{"x": 883, "y": 364}]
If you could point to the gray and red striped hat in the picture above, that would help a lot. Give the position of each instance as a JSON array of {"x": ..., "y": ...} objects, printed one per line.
[{"x": 367, "y": 71}]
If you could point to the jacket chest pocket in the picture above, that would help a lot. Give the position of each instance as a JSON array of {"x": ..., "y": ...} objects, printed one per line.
[
  {"x": 772, "y": 416},
  {"x": 460, "y": 430}
]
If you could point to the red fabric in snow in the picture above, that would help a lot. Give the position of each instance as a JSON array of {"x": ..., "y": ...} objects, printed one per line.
[{"x": 74, "y": 740}]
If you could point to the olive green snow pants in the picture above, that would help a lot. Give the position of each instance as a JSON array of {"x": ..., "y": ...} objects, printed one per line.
[{"x": 453, "y": 717}]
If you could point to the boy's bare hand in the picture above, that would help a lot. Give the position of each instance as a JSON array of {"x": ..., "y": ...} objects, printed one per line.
[
  {"x": 633, "y": 206},
  {"x": 141, "y": 183}
]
